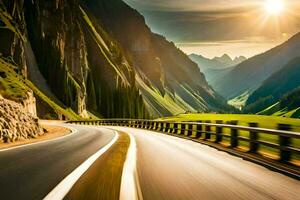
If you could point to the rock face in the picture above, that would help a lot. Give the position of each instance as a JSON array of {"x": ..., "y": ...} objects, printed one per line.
[
  {"x": 16, "y": 123},
  {"x": 29, "y": 104}
]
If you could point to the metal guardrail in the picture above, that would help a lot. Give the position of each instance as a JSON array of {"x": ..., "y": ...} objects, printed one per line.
[{"x": 204, "y": 130}]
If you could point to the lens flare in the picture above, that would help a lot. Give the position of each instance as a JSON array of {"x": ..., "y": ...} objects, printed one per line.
[{"x": 274, "y": 7}]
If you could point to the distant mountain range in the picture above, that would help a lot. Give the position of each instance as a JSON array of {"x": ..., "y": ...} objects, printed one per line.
[
  {"x": 216, "y": 68},
  {"x": 268, "y": 83},
  {"x": 250, "y": 74}
]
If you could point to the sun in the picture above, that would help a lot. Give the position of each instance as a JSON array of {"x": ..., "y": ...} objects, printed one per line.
[{"x": 274, "y": 7}]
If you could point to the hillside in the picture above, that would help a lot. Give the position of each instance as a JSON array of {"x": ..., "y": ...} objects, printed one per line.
[
  {"x": 287, "y": 106},
  {"x": 100, "y": 57},
  {"x": 250, "y": 74},
  {"x": 281, "y": 85},
  {"x": 215, "y": 69}
]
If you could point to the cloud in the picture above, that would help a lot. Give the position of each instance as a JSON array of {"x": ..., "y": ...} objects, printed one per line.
[
  {"x": 180, "y": 5},
  {"x": 208, "y": 22},
  {"x": 231, "y": 23}
]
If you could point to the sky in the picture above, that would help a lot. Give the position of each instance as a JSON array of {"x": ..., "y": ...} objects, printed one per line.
[{"x": 215, "y": 27}]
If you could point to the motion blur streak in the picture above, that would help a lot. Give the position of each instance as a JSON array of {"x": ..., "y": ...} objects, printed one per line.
[
  {"x": 171, "y": 168},
  {"x": 130, "y": 189}
]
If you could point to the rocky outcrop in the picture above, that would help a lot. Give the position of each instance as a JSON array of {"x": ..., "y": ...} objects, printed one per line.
[
  {"x": 16, "y": 123},
  {"x": 29, "y": 104}
]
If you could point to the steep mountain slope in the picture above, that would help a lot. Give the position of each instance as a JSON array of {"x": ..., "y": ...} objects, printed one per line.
[
  {"x": 216, "y": 68},
  {"x": 165, "y": 75},
  {"x": 99, "y": 57},
  {"x": 280, "y": 84},
  {"x": 250, "y": 74},
  {"x": 287, "y": 106}
]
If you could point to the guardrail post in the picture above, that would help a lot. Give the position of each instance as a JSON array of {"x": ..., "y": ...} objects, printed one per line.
[
  {"x": 207, "y": 131},
  {"x": 171, "y": 128},
  {"x": 175, "y": 128},
  {"x": 199, "y": 130},
  {"x": 253, "y": 135},
  {"x": 160, "y": 126},
  {"x": 182, "y": 129},
  {"x": 141, "y": 124},
  {"x": 163, "y": 127},
  {"x": 167, "y": 127},
  {"x": 157, "y": 126},
  {"x": 190, "y": 130},
  {"x": 234, "y": 142},
  {"x": 284, "y": 141},
  {"x": 219, "y": 131},
  {"x": 149, "y": 125}
]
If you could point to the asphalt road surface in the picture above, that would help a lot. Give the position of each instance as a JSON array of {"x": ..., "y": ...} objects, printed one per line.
[
  {"x": 171, "y": 168},
  {"x": 168, "y": 168},
  {"x": 31, "y": 172}
]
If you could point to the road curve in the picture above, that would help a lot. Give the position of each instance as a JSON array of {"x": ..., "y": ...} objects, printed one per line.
[
  {"x": 171, "y": 168},
  {"x": 31, "y": 172}
]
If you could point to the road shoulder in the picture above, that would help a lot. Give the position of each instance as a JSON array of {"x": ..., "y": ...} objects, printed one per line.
[{"x": 52, "y": 132}]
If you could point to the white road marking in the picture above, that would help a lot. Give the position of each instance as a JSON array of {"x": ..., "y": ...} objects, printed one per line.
[
  {"x": 73, "y": 131},
  {"x": 62, "y": 189},
  {"x": 130, "y": 187}
]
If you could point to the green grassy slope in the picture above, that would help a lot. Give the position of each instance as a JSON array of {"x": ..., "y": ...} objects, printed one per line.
[
  {"x": 287, "y": 106},
  {"x": 275, "y": 87},
  {"x": 15, "y": 87},
  {"x": 278, "y": 95}
]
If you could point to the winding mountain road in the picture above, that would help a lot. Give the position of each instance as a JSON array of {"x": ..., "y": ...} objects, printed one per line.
[{"x": 167, "y": 168}]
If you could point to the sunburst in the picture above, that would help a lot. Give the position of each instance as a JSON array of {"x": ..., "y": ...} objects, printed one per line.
[{"x": 274, "y": 7}]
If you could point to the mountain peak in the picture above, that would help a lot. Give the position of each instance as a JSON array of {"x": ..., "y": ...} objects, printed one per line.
[
  {"x": 226, "y": 59},
  {"x": 239, "y": 59}
]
